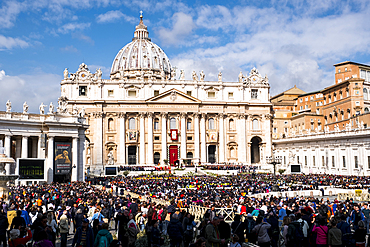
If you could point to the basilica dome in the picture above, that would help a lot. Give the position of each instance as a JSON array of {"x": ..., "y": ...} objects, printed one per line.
[{"x": 141, "y": 54}]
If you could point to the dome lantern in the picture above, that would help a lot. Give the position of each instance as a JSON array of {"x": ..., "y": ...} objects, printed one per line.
[{"x": 141, "y": 31}]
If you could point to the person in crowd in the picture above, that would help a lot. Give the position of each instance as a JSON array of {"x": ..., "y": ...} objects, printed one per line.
[
  {"x": 366, "y": 212},
  {"x": 4, "y": 224},
  {"x": 16, "y": 239},
  {"x": 212, "y": 233},
  {"x": 238, "y": 228},
  {"x": 334, "y": 235},
  {"x": 79, "y": 217},
  {"x": 156, "y": 238},
  {"x": 132, "y": 231},
  {"x": 104, "y": 238},
  {"x": 18, "y": 221},
  {"x": 52, "y": 227},
  {"x": 321, "y": 230},
  {"x": 360, "y": 234},
  {"x": 261, "y": 230},
  {"x": 175, "y": 231},
  {"x": 225, "y": 230},
  {"x": 356, "y": 216},
  {"x": 41, "y": 240},
  {"x": 96, "y": 227},
  {"x": 64, "y": 229},
  {"x": 84, "y": 236}
]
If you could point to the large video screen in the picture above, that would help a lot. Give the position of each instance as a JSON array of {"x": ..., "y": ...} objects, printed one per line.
[
  {"x": 31, "y": 168},
  {"x": 295, "y": 168},
  {"x": 111, "y": 171}
]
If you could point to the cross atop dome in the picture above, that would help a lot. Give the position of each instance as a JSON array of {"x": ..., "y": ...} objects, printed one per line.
[{"x": 141, "y": 31}]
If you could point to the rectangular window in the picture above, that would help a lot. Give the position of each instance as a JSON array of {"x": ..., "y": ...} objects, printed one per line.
[
  {"x": 190, "y": 138},
  {"x": 156, "y": 92},
  {"x": 254, "y": 94},
  {"x": 110, "y": 93},
  {"x": 301, "y": 100},
  {"x": 363, "y": 74},
  {"x": 284, "y": 160},
  {"x": 188, "y": 93},
  {"x": 356, "y": 161},
  {"x": 323, "y": 160},
  {"x": 156, "y": 125},
  {"x": 132, "y": 93},
  {"x": 211, "y": 95},
  {"x": 156, "y": 138},
  {"x": 286, "y": 130},
  {"x": 231, "y": 95},
  {"x": 339, "y": 80},
  {"x": 313, "y": 161},
  {"x": 332, "y": 161},
  {"x": 305, "y": 160},
  {"x": 82, "y": 90},
  {"x": 297, "y": 159},
  {"x": 188, "y": 125},
  {"x": 275, "y": 130},
  {"x": 368, "y": 162},
  {"x": 344, "y": 161}
]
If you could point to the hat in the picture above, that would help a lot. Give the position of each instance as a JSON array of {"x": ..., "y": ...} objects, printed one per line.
[
  {"x": 68, "y": 208},
  {"x": 85, "y": 221},
  {"x": 14, "y": 233},
  {"x": 249, "y": 215}
]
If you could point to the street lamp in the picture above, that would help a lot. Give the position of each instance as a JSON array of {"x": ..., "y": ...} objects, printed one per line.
[{"x": 274, "y": 160}]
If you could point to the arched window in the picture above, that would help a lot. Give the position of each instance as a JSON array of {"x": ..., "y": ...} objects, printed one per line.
[
  {"x": 110, "y": 124},
  {"x": 156, "y": 124},
  {"x": 131, "y": 124},
  {"x": 365, "y": 94},
  {"x": 366, "y": 110},
  {"x": 188, "y": 124},
  {"x": 255, "y": 124},
  {"x": 231, "y": 124},
  {"x": 172, "y": 123},
  {"x": 211, "y": 124}
]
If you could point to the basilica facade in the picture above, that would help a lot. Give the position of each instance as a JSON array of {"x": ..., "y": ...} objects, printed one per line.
[{"x": 145, "y": 114}]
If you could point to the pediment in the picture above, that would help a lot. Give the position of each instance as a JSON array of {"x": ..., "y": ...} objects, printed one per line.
[{"x": 173, "y": 96}]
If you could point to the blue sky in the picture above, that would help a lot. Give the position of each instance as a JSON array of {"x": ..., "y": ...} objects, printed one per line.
[{"x": 293, "y": 42}]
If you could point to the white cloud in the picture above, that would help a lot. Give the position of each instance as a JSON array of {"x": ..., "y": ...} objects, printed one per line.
[
  {"x": 291, "y": 50},
  {"x": 7, "y": 43},
  {"x": 69, "y": 48},
  {"x": 81, "y": 36},
  {"x": 70, "y": 27},
  {"x": 182, "y": 27},
  {"x": 9, "y": 12},
  {"x": 35, "y": 88},
  {"x": 115, "y": 15}
]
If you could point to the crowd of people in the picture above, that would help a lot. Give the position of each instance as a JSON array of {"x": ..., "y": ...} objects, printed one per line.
[{"x": 102, "y": 216}]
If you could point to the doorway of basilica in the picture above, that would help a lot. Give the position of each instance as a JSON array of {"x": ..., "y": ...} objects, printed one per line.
[
  {"x": 174, "y": 154},
  {"x": 131, "y": 153}
]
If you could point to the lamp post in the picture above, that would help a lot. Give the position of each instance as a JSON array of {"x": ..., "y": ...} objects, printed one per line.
[{"x": 274, "y": 160}]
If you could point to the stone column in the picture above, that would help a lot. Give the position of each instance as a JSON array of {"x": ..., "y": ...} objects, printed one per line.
[
  {"x": 122, "y": 138},
  {"x": 150, "y": 155},
  {"x": 183, "y": 135},
  {"x": 34, "y": 147},
  {"x": 241, "y": 142},
  {"x": 24, "y": 147},
  {"x": 164, "y": 136},
  {"x": 196, "y": 136},
  {"x": 50, "y": 160},
  {"x": 221, "y": 138},
  {"x": 203, "y": 148},
  {"x": 8, "y": 145},
  {"x": 98, "y": 149},
  {"x": 142, "y": 138},
  {"x": 81, "y": 156},
  {"x": 74, "y": 158}
]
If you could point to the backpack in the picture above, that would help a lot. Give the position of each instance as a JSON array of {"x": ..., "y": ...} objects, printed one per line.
[{"x": 103, "y": 241}]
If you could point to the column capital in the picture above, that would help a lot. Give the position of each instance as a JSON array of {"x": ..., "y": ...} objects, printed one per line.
[
  {"x": 183, "y": 114},
  {"x": 142, "y": 115},
  {"x": 203, "y": 115},
  {"x": 221, "y": 115},
  {"x": 122, "y": 114},
  {"x": 242, "y": 116},
  {"x": 195, "y": 114},
  {"x": 164, "y": 114},
  {"x": 150, "y": 114}
]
